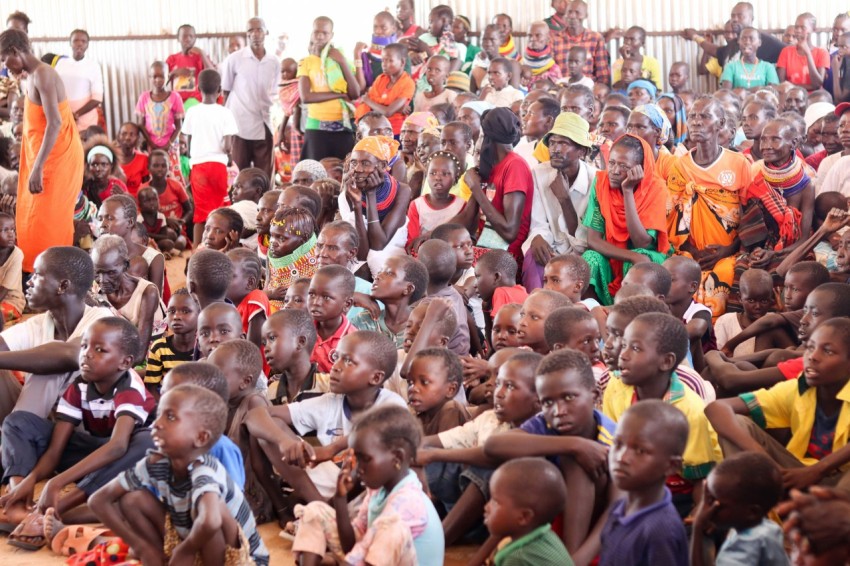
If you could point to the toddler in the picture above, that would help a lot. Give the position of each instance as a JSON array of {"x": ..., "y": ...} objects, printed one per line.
[
  {"x": 156, "y": 225},
  {"x": 434, "y": 379}
]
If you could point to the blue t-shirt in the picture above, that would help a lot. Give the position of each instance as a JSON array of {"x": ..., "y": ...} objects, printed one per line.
[
  {"x": 605, "y": 428},
  {"x": 226, "y": 452}
]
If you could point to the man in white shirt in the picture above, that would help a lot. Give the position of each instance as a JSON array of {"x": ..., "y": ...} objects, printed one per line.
[
  {"x": 561, "y": 189},
  {"x": 249, "y": 80},
  {"x": 83, "y": 80},
  {"x": 537, "y": 114}
]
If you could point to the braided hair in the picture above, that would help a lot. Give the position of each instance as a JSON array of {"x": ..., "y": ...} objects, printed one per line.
[
  {"x": 451, "y": 156},
  {"x": 295, "y": 221}
]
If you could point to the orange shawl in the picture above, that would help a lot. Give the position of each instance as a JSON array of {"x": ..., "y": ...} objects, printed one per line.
[{"x": 650, "y": 198}]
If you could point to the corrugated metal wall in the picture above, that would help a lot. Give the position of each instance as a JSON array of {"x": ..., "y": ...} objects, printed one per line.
[
  {"x": 666, "y": 16},
  {"x": 125, "y": 62}
]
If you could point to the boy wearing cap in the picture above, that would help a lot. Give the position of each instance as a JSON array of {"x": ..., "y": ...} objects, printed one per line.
[{"x": 561, "y": 190}]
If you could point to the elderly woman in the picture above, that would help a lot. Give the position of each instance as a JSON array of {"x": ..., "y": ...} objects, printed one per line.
[
  {"x": 674, "y": 108},
  {"x": 375, "y": 202},
  {"x": 135, "y": 299},
  {"x": 104, "y": 176},
  {"x": 307, "y": 172},
  {"x": 505, "y": 176}
]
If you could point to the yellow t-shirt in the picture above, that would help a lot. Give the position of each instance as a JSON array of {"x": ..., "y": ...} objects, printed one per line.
[
  {"x": 330, "y": 110},
  {"x": 650, "y": 69}
]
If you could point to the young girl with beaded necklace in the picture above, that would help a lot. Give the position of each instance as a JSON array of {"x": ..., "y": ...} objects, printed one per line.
[
  {"x": 439, "y": 205},
  {"x": 292, "y": 252}
]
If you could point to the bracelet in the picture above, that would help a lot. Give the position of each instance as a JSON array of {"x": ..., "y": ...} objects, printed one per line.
[{"x": 372, "y": 221}]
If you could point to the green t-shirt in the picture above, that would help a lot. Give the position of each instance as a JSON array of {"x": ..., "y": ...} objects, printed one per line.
[{"x": 540, "y": 547}]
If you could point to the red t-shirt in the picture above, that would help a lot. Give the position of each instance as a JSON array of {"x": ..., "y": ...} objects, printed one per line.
[
  {"x": 506, "y": 295},
  {"x": 172, "y": 198},
  {"x": 791, "y": 369},
  {"x": 797, "y": 67},
  {"x": 513, "y": 175},
  {"x": 135, "y": 171},
  {"x": 254, "y": 303},
  {"x": 186, "y": 87}
]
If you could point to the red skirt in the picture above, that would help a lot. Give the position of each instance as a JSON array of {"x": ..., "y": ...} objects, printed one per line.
[{"x": 209, "y": 188}]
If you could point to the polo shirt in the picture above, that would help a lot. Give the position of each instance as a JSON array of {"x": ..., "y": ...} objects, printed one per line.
[
  {"x": 650, "y": 536},
  {"x": 251, "y": 84},
  {"x": 98, "y": 412},
  {"x": 605, "y": 429},
  {"x": 702, "y": 451},
  {"x": 316, "y": 384},
  {"x": 539, "y": 547},
  {"x": 324, "y": 352},
  {"x": 793, "y": 404}
]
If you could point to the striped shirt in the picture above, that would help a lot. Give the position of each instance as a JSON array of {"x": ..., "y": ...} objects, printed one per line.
[
  {"x": 82, "y": 403},
  {"x": 180, "y": 496},
  {"x": 162, "y": 358}
]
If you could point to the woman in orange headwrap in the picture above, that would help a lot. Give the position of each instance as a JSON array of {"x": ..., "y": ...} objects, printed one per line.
[{"x": 626, "y": 216}]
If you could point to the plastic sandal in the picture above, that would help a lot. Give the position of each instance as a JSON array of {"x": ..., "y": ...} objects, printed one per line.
[{"x": 77, "y": 539}]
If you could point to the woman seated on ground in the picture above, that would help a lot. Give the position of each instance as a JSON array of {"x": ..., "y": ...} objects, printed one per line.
[{"x": 104, "y": 176}]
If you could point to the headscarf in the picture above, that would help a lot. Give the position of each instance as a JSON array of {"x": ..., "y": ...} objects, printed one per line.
[
  {"x": 498, "y": 126},
  {"x": 650, "y": 198},
  {"x": 311, "y": 166},
  {"x": 658, "y": 119},
  {"x": 422, "y": 120},
  {"x": 646, "y": 85},
  {"x": 680, "y": 125},
  {"x": 100, "y": 150},
  {"x": 382, "y": 147},
  {"x": 478, "y": 106}
]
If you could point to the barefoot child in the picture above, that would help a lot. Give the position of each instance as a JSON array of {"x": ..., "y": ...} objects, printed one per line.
[
  {"x": 12, "y": 300},
  {"x": 292, "y": 251},
  {"x": 201, "y": 514},
  {"x": 174, "y": 203},
  {"x": 396, "y": 522},
  {"x": 112, "y": 405},
  {"x": 251, "y": 302},
  {"x": 402, "y": 282},
  {"x": 644, "y": 527},
  {"x": 288, "y": 339}
]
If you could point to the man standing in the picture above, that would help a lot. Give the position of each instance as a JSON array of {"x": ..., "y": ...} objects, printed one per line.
[
  {"x": 82, "y": 79},
  {"x": 574, "y": 34},
  {"x": 249, "y": 79},
  {"x": 742, "y": 17}
]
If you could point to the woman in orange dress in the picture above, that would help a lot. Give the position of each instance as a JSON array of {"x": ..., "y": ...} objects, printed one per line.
[{"x": 51, "y": 163}]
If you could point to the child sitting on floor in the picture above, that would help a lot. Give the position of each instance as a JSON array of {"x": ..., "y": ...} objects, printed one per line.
[
  {"x": 757, "y": 299},
  {"x": 434, "y": 379},
  {"x": 573, "y": 435},
  {"x": 576, "y": 329},
  {"x": 217, "y": 323},
  {"x": 401, "y": 283},
  {"x": 329, "y": 298},
  {"x": 297, "y": 295},
  {"x": 251, "y": 302},
  {"x": 174, "y": 203},
  {"x": 644, "y": 527},
  {"x": 292, "y": 251},
  {"x": 499, "y": 92},
  {"x": 392, "y": 90},
  {"x": 289, "y": 336},
  {"x": 178, "y": 347},
  {"x": 532, "y": 318},
  {"x": 12, "y": 301},
  {"x": 208, "y": 276},
  {"x": 440, "y": 260},
  {"x": 686, "y": 275},
  {"x": 439, "y": 206},
  {"x": 156, "y": 224},
  {"x": 396, "y": 523},
  {"x": 525, "y": 515},
  {"x": 110, "y": 404},
  {"x": 495, "y": 274},
  {"x": 266, "y": 208},
  {"x": 739, "y": 494},
  {"x": 222, "y": 230},
  {"x": 200, "y": 513}
]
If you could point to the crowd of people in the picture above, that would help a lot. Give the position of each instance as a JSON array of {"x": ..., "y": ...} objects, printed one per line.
[{"x": 507, "y": 294}]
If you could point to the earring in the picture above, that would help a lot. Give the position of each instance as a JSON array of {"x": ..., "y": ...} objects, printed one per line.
[{"x": 397, "y": 465}]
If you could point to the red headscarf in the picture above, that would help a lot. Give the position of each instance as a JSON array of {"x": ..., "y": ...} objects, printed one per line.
[{"x": 650, "y": 198}]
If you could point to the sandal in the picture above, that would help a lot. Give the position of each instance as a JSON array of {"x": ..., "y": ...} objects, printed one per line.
[
  {"x": 78, "y": 539},
  {"x": 32, "y": 527},
  {"x": 111, "y": 553}
]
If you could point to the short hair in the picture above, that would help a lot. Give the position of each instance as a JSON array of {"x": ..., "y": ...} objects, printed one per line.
[
  {"x": 299, "y": 322},
  {"x": 324, "y": 19},
  {"x": 770, "y": 111},
  {"x": 527, "y": 360},
  {"x": 660, "y": 279},
  {"x": 555, "y": 299},
  {"x": 446, "y": 109},
  {"x": 209, "y": 409},
  {"x": 634, "y": 290},
  {"x": 130, "y": 342},
  {"x": 671, "y": 336},
  {"x": 209, "y": 81},
  {"x": 550, "y": 107},
  {"x": 636, "y": 306},
  {"x": 346, "y": 227},
  {"x": 257, "y": 178},
  {"x": 249, "y": 260},
  {"x": 830, "y": 118},
  {"x": 379, "y": 350},
  {"x": 840, "y": 293},
  {"x": 756, "y": 479},
  {"x": 7, "y": 216},
  {"x": 212, "y": 270},
  {"x": 568, "y": 359},
  {"x": 19, "y": 16},
  {"x": 109, "y": 242},
  {"x": 158, "y": 153},
  {"x": 415, "y": 273},
  {"x": 439, "y": 259},
  {"x": 73, "y": 264},
  {"x": 499, "y": 261},
  {"x": 753, "y": 277},
  {"x": 638, "y": 29},
  {"x": 618, "y": 102},
  {"x": 816, "y": 272},
  {"x": 665, "y": 417},
  {"x": 447, "y": 325},
  {"x": 579, "y": 49},
  {"x": 309, "y": 199},
  {"x": 558, "y": 326},
  {"x": 203, "y": 374},
  {"x": 576, "y": 266},
  {"x": 549, "y": 494},
  {"x": 450, "y": 360},
  {"x": 634, "y": 145},
  {"x": 442, "y": 231},
  {"x": 340, "y": 276},
  {"x": 443, "y": 10},
  {"x": 295, "y": 221},
  {"x": 828, "y": 200},
  {"x": 14, "y": 39},
  {"x": 399, "y": 49},
  {"x": 126, "y": 203},
  {"x": 586, "y": 92},
  {"x": 812, "y": 19},
  {"x": 234, "y": 219},
  {"x": 246, "y": 354},
  {"x": 372, "y": 114},
  {"x": 274, "y": 194},
  {"x": 183, "y": 291},
  {"x": 463, "y": 127},
  {"x": 504, "y": 62},
  {"x": 187, "y": 26},
  {"x": 82, "y": 31},
  {"x": 395, "y": 426},
  {"x": 691, "y": 268}
]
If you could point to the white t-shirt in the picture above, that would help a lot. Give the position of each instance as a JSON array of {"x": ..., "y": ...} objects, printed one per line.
[
  {"x": 208, "y": 124},
  {"x": 40, "y": 392},
  {"x": 330, "y": 416},
  {"x": 505, "y": 97},
  {"x": 252, "y": 84},
  {"x": 726, "y": 328},
  {"x": 83, "y": 82},
  {"x": 525, "y": 149},
  {"x": 474, "y": 433}
]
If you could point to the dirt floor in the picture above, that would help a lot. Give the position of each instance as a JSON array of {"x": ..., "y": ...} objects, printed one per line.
[{"x": 279, "y": 548}]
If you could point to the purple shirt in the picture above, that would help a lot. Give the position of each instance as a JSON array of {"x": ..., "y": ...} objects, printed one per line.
[
  {"x": 652, "y": 536},
  {"x": 537, "y": 424}
]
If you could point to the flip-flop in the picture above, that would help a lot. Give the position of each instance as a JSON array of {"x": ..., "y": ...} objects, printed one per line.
[
  {"x": 31, "y": 527},
  {"x": 77, "y": 539},
  {"x": 112, "y": 553}
]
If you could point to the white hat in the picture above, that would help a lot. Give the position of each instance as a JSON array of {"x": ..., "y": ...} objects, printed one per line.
[{"x": 817, "y": 111}]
